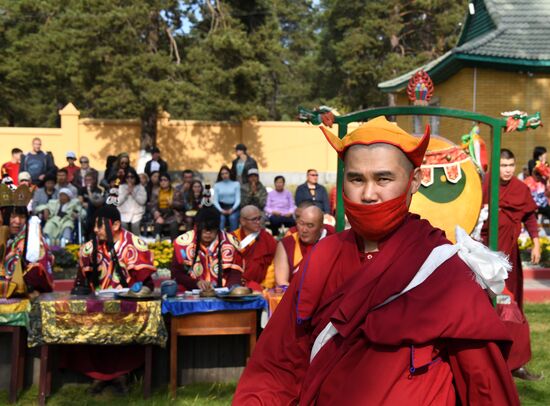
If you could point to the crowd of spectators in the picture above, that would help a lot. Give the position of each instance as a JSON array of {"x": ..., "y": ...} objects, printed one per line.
[
  {"x": 151, "y": 204},
  {"x": 536, "y": 175}
]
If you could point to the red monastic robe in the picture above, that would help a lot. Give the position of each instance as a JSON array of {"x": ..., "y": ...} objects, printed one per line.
[
  {"x": 516, "y": 206},
  {"x": 257, "y": 256},
  {"x": 439, "y": 341},
  {"x": 296, "y": 251}
]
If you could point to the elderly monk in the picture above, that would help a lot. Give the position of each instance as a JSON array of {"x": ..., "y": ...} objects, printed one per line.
[
  {"x": 515, "y": 206},
  {"x": 328, "y": 229},
  {"x": 257, "y": 246},
  {"x": 359, "y": 324},
  {"x": 292, "y": 249}
]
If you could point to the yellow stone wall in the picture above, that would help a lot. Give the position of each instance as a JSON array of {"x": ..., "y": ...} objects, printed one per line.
[
  {"x": 287, "y": 146},
  {"x": 496, "y": 91},
  {"x": 204, "y": 146}
]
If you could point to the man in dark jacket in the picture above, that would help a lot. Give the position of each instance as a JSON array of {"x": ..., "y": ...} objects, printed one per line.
[
  {"x": 37, "y": 163},
  {"x": 242, "y": 164},
  {"x": 312, "y": 191},
  {"x": 156, "y": 164}
]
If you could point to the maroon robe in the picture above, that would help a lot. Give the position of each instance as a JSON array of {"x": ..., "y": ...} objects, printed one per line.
[
  {"x": 427, "y": 347},
  {"x": 257, "y": 256},
  {"x": 295, "y": 257},
  {"x": 516, "y": 206}
]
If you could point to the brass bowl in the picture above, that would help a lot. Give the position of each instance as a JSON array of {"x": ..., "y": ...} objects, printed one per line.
[{"x": 240, "y": 291}]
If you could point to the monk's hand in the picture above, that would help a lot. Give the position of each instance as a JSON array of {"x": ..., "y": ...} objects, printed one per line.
[
  {"x": 535, "y": 253},
  {"x": 204, "y": 285}
]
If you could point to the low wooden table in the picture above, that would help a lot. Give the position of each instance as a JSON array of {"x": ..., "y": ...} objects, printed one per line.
[
  {"x": 18, "y": 346},
  {"x": 13, "y": 320},
  {"x": 45, "y": 379},
  {"x": 62, "y": 319},
  {"x": 208, "y": 318}
]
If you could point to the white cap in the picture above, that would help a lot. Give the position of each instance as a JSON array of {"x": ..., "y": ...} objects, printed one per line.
[{"x": 67, "y": 191}]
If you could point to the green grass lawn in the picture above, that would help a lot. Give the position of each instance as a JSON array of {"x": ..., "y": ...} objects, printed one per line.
[
  {"x": 538, "y": 393},
  {"x": 531, "y": 393}
]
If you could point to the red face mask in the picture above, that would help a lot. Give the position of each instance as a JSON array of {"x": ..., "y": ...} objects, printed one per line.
[{"x": 375, "y": 221}]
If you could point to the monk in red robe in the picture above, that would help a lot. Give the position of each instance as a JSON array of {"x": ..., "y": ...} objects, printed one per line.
[
  {"x": 256, "y": 245},
  {"x": 121, "y": 260},
  {"x": 292, "y": 249},
  {"x": 26, "y": 266},
  {"x": 328, "y": 228},
  {"x": 385, "y": 313},
  {"x": 516, "y": 206},
  {"x": 200, "y": 268}
]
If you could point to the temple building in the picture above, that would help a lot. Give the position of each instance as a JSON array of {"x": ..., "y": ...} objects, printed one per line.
[{"x": 500, "y": 63}]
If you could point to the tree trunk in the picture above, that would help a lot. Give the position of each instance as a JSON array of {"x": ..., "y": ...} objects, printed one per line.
[{"x": 148, "y": 130}]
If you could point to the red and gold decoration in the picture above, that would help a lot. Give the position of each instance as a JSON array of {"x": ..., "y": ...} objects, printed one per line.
[
  {"x": 450, "y": 193},
  {"x": 56, "y": 318},
  {"x": 420, "y": 88}
]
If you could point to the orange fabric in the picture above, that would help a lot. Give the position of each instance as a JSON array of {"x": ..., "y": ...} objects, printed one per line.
[{"x": 379, "y": 130}]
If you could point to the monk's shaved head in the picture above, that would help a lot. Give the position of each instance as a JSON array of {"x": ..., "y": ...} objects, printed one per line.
[
  {"x": 250, "y": 211},
  {"x": 313, "y": 212},
  {"x": 310, "y": 224},
  {"x": 251, "y": 219}
]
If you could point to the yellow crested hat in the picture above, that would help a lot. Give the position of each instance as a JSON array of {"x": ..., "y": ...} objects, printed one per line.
[{"x": 381, "y": 131}]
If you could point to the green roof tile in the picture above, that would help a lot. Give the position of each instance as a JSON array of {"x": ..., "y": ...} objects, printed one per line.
[
  {"x": 507, "y": 34},
  {"x": 476, "y": 24}
]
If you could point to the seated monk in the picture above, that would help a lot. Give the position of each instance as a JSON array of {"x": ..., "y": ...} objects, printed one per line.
[
  {"x": 26, "y": 262},
  {"x": 257, "y": 246},
  {"x": 292, "y": 249},
  {"x": 328, "y": 229},
  {"x": 115, "y": 258},
  {"x": 192, "y": 268}
]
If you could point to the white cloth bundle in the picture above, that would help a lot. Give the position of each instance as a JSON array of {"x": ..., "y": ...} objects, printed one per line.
[
  {"x": 33, "y": 242},
  {"x": 490, "y": 267}
]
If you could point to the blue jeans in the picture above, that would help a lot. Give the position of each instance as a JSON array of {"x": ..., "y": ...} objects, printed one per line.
[{"x": 233, "y": 220}]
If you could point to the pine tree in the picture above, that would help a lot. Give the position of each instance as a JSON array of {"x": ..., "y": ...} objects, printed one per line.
[{"x": 364, "y": 43}]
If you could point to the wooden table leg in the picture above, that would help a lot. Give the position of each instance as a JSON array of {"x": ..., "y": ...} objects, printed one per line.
[
  {"x": 252, "y": 336},
  {"x": 173, "y": 357},
  {"x": 147, "y": 374},
  {"x": 21, "y": 360},
  {"x": 15, "y": 363},
  {"x": 45, "y": 375}
]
